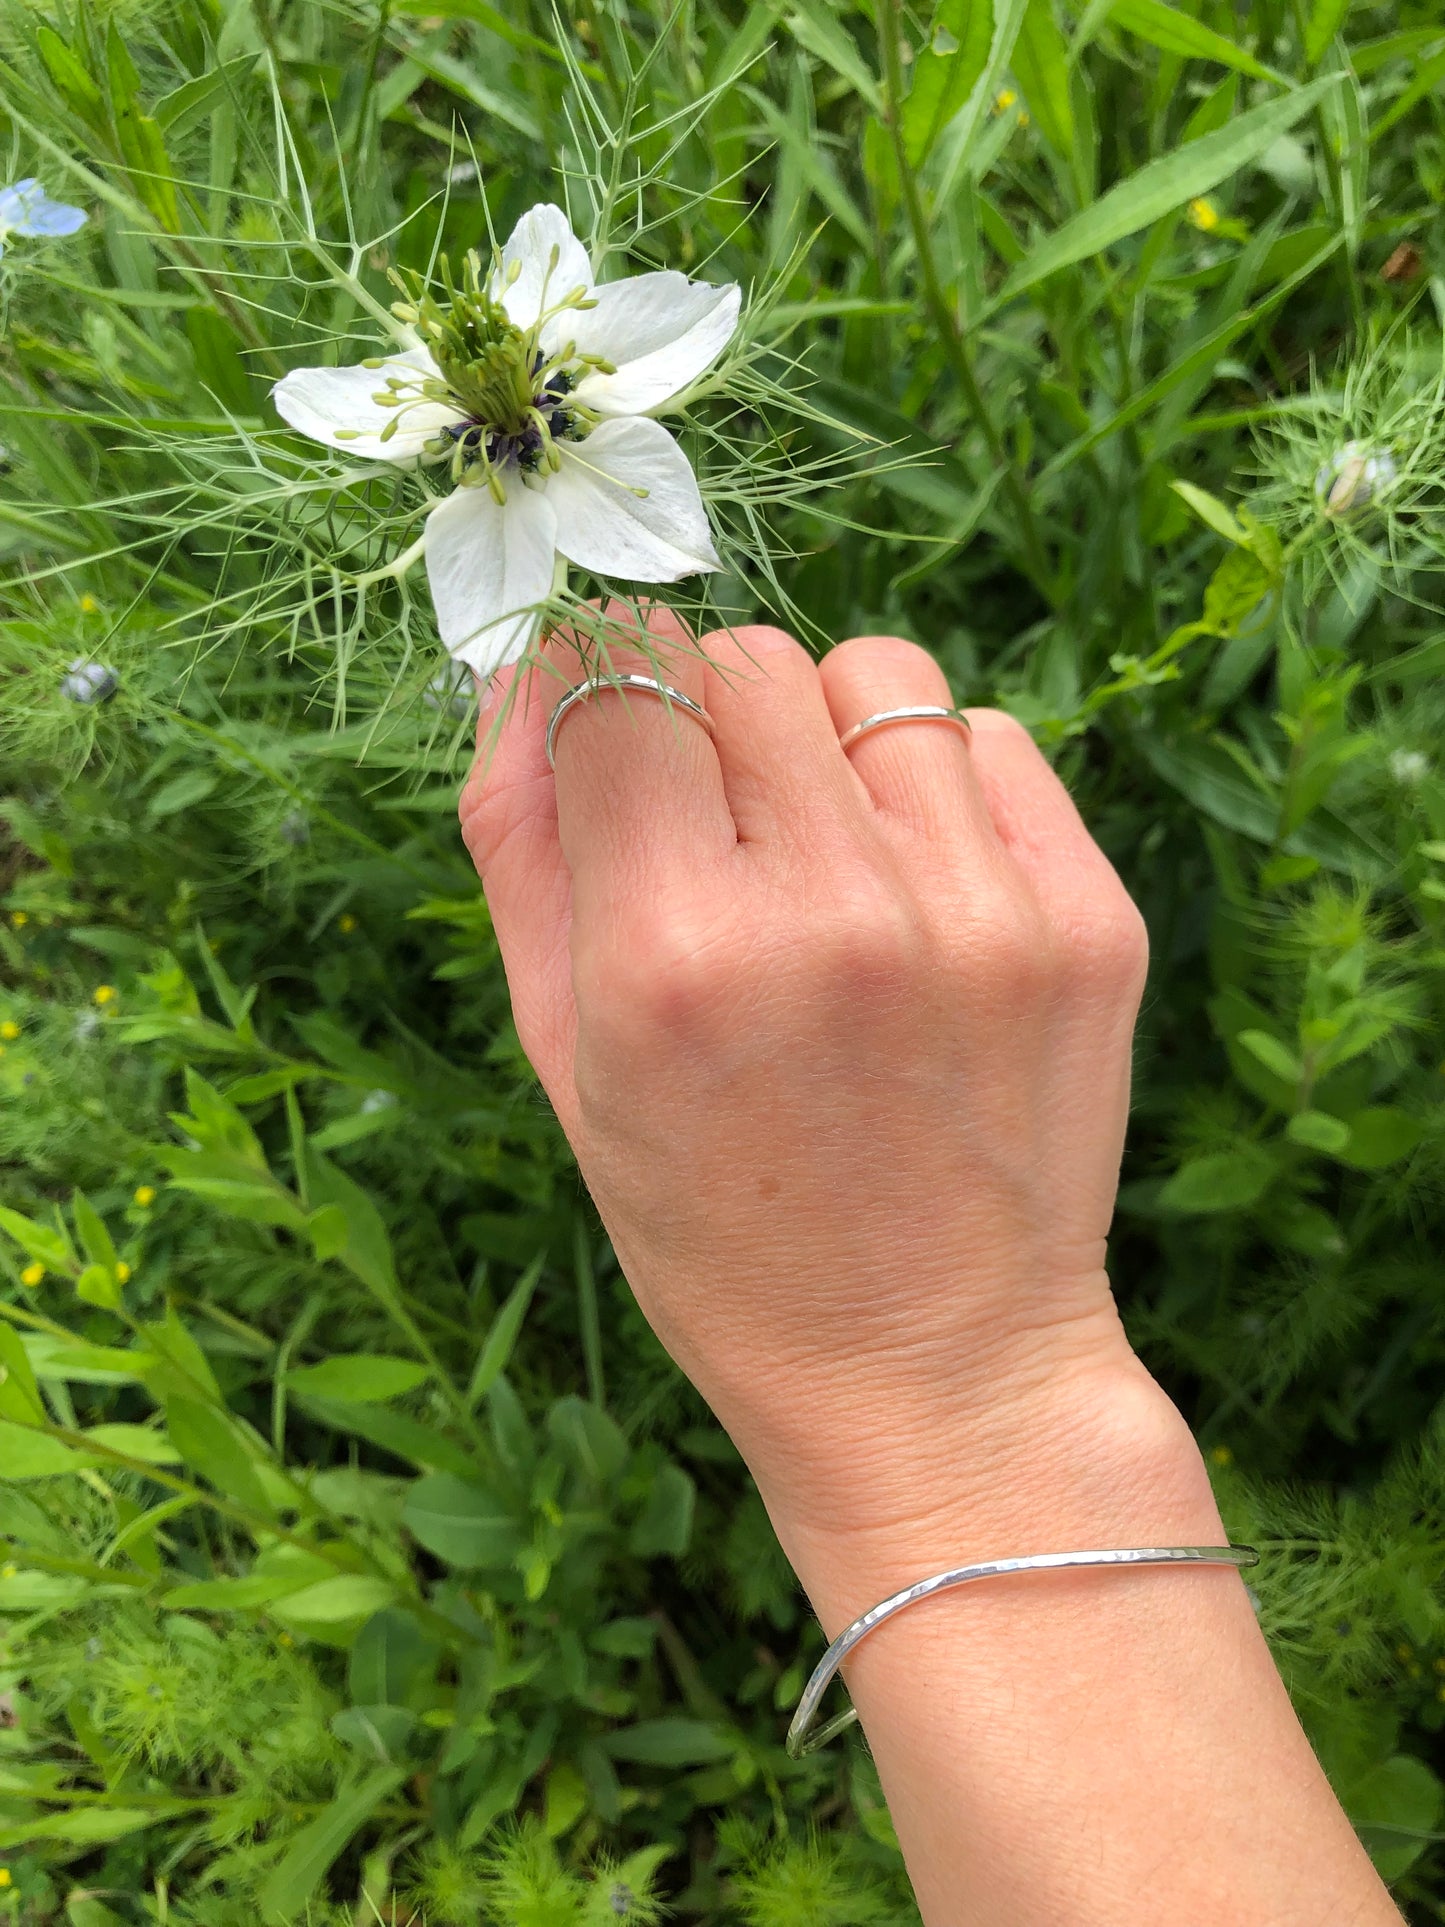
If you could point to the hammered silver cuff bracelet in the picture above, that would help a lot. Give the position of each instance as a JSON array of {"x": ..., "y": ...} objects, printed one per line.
[{"x": 800, "y": 1741}]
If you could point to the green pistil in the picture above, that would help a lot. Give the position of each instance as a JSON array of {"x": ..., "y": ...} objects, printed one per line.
[{"x": 485, "y": 359}]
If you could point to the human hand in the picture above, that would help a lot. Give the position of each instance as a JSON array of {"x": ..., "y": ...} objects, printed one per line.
[{"x": 842, "y": 1044}]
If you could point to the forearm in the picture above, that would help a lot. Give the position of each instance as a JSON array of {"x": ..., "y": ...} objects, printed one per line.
[{"x": 1093, "y": 1747}]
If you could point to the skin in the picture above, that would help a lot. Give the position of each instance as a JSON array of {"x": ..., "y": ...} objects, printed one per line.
[{"x": 842, "y": 1044}]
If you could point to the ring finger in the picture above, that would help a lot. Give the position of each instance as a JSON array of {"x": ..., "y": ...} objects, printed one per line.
[{"x": 919, "y": 772}]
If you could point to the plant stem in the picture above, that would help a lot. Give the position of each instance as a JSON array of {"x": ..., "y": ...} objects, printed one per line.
[{"x": 941, "y": 310}]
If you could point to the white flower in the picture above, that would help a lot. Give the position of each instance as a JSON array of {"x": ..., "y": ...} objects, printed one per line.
[
  {"x": 538, "y": 388},
  {"x": 27, "y": 209}
]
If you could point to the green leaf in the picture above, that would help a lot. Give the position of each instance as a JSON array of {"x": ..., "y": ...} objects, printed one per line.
[
  {"x": 1041, "y": 64},
  {"x": 85, "y": 1826},
  {"x": 1326, "y": 19},
  {"x": 249, "y": 1593},
  {"x": 29, "y": 1454},
  {"x": 97, "y": 1285},
  {"x": 73, "y": 83},
  {"x": 1212, "y": 512},
  {"x": 1174, "y": 32},
  {"x": 957, "y": 139},
  {"x": 1274, "y": 1055},
  {"x": 38, "y": 1592},
  {"x": 94, "y": 1237},
  {"x": 664, "y": 1524},
  {"x": 502, "y": 1334},
  {"x": 392, "y": 1659},
  {"x": 136, "y": 1441},
  {"x": 669, "y": 1742},
  {"x": 463, "y": 1523},
  {"x": 19, "y": 1393},
  {"x": 211, "y": 1443},
  {"x": 814, "y": 26},
  {"x": 359, "y": 1377},
  {"x": 945, "y": 72},
  {"x": 177, "y": 112},
  {"x": 331, "y": 1602},
  {"x": 37, "y": 1241},
  {"x": 594, "y": 1442},
  {"x": 321, "y": 1842},
  {"x": 1318, "y": 1131},
  {"x": 1426, "y": 82},
  {"x": 367, "y": 1249},
  {"x": 1379, "y": 1136},
  {"x": 1161, "y": 186},
  {"x": 1218, "y": 1181},
  {"x": 395, "y": 1432},
  {"x": 1397, "y": 1807}
]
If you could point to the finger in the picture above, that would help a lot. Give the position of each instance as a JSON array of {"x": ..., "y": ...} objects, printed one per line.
[
  {"x": 1073, "y": 881},
  {"x": 509, "y": 824},
  {"x": 640, "y": 799},
  {"x": 919, "y": 772},
  {"x": 782, "y": 769}
]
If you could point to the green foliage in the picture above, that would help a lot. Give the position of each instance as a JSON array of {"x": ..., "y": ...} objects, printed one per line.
[{"x": 367, "y": 1559}]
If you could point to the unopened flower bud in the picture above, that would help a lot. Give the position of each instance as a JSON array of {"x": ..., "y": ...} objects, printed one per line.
[
  {"x": 1355, "y": 478},
  {"x": 89, "y": 682}
]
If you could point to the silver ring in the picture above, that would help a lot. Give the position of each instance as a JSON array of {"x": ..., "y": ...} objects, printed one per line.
[
  {"x": 915, "y": 713},
  {"x": 649, "y": 685}
]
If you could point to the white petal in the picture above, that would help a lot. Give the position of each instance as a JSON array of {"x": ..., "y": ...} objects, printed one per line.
[
  {"x": 489, "y": 565},
  {"x": 660, "y": 331},
  {"x": 627, "y": 504},
  {"x": 530, "y": 278},
  {"x": 321, "y": 401}
]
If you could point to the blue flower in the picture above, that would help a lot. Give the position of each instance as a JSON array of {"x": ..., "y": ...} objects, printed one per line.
[{"x": 27, "y": 209}]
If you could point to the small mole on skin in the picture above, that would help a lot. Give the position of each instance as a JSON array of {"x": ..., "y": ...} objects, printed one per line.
[{"x": 769, "y": 1187}]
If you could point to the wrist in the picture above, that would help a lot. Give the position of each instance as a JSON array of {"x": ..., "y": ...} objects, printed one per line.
[{"x": 1095, "y": 1456}]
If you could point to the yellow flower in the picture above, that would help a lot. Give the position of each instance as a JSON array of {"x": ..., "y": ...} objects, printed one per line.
[
  {"x": 1221, "y": 1455},
  {"x": 32, "y": 1274},
  {"x": 9, "y": 1030},
  {"x": 122, "y": 1272},
  {"x": 88, "y": 605},
  {"x": 284, "y": 1639},
  {"x": 1402, "y": 1651},
  {"x": 105, "y": 994},
  {"x": 346, "y": 923},
  {"x": 19, "y": 918},
  {"x": 145, "y": 1196},
  {"x": 5, "y": 1877},
  {"x": 8, "y": 1571},
  {"x": 1204, "y": 214},
  {"x": 1004, "y": 100}
]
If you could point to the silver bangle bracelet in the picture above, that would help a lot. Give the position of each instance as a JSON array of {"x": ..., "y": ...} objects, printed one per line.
[{"x": 800, "y": 1741}]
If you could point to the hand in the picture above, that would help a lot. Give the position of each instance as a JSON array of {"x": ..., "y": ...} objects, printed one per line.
[{"x": 842, "y": 1044}]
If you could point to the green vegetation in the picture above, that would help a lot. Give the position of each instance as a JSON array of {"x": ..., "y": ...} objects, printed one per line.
[{"x": 366, "y": 1556}]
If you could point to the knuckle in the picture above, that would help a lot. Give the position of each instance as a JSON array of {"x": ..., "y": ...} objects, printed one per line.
[
  {"x": 1005, "y": 728},
  {"x": 1108, "y": 943},
  {"x": 495, "y": 807},
  {"x": 753, "y": 644},
  {"x": 665, "y": 974},
  {"x": 907, "y": 660},
  {"x": 869, "y": 943},
  {"x": 1010, "y": 958}
]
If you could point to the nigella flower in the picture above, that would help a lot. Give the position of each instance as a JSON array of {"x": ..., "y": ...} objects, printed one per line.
[
  {"x": 537, "y": 389},
  {"x": 27, "y": 209}
]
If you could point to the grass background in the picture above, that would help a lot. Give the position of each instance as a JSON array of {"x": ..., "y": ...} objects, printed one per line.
[{"x": 366, "y": 1556}]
